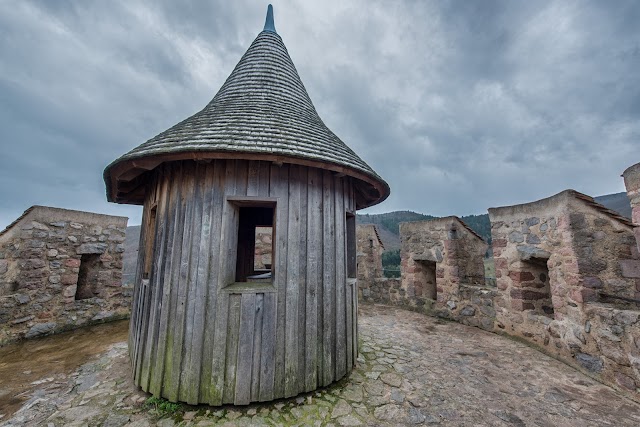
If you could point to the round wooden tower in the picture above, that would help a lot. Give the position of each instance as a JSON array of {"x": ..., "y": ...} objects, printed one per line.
[{"x": 210, "y": 324}]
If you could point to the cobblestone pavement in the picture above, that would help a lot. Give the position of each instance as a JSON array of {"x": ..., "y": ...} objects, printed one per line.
[{"x": 413, "y": 370}]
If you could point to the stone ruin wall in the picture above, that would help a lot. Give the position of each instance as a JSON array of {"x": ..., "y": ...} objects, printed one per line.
[
  {"x": 44, "y": 256},
  {"x": 372, "y": 285},
  {"x": 553, "y": 259},
  {"x": 446, "y": 251}
]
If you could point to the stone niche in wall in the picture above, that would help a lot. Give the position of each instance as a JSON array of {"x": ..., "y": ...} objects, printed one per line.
[{"x": 60, "y": 269}]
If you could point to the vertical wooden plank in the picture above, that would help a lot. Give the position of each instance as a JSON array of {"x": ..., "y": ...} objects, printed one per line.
[
  {"x": 268, "y": 351},
  {"x": 144, "y": 303},
  {"x": 245, "y": 349},
  {"x": 183, "y": 283},
  {"x": 195, "y": 297},
  {"x": 349, "y": 324},
  {"x": 279, "y": 188},
  {"x": 302, "y": 181},
  {"x": 169, "y": 387},
  {"x": 328, "y": 280},
  {"x": 253, "y": 178},
  {"x": 164, "y": 282},
  {"x": 340, "y": 280},
  {"x": 314, "y": 277},
  {"x": 257, "y": 348},
  {"x": 155, "y": 283},
  {"x": 231, "y": 356},
  {"x": 216, "y": 191},
  {"x": 352, "y": 201},
  {"x": 242, "y": 177},
  {"x": 293, "y": 285},
  {"x": 226, "y": 275},
  {"x": 264, "y": 175}
]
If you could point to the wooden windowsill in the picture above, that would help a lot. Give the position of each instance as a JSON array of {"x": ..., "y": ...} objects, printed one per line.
[{"x": 249, "y": 288}]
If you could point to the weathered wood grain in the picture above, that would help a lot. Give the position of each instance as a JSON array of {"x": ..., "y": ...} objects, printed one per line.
[{"x": 199, "y": 337}]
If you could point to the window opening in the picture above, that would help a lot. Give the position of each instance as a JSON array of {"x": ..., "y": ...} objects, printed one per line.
[
  {"x": 255, "y": 223},
  {"x": 536, "y": 287},
  {"x": 88, "y": 277}
]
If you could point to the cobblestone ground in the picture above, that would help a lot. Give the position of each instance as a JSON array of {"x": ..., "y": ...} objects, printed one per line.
[{"x": 413, "y": 370}]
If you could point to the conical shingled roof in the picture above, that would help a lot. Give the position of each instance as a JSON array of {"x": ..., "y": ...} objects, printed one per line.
[{"x": 261, "y": 112}]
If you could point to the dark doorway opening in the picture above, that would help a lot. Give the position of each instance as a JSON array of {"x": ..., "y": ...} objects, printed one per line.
[{"x": 251, "y": 221}]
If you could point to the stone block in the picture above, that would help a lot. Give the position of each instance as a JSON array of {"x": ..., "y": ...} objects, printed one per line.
[
  {"x": 592, "y": 282},
  {"x": 4, "y": 266},
  {"x": 516, "y": 237},
  {"x": 527, "y": 295},
  {"x": 532, "y": 221},
  {"x": 468, "y": 311},
  {"x": 22, "y": 299},
  {"x": 625, "y": 381},
  {"x": 69, "y": 279},
  {"x": 589, "y": 362},
  {"x": 70, "y": 291},
  {"x": 72, "y": 263},
  {"x": 526, "y": 253},
  {"x": 41, "y": 329},
  {"x": 630, "y": 268},
  {"x": 533, "y": 239},
  {"x": 521, "y": 276},
  {"x": 92, "y": 248},
  {"x": 32, "y": 264},
  {"x": 577, "y": 220},
  {"x": 499, "y": 243}
]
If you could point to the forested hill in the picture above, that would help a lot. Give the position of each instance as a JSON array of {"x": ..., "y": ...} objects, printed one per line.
[{"x": 388, "y": 224}]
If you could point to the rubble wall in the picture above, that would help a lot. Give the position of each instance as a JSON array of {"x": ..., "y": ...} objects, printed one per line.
[
  {"x": 371, "y": 287},
  {"x": 60, "y": 269},
  {"x": 554, "y": 260}
]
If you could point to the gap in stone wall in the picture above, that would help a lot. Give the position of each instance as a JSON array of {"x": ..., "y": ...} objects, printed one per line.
[
  {"x": 88, "y": 277},
  {"x": 426, "y": 279},
  {"x": 539, "y": 299}
]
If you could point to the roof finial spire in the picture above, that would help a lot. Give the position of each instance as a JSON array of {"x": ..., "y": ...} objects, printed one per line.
[{"x": 268, "y": 23}]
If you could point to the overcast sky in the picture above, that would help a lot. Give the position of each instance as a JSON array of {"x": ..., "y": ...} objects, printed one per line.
[{"x": 458, "y": 105}]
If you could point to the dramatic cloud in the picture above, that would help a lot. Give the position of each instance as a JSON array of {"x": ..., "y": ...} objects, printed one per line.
[{"x": 458, "y": 105}]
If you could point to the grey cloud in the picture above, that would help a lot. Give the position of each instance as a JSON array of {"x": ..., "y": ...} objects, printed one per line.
[{"x": 458, "y": 105}]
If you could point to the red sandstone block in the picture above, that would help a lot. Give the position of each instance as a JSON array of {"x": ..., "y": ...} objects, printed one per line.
[
  {"x": 519, "y": 305},
  {"x": 440, "y": 273},
  {"x": 501, "y": 263},
  {"x": 502, "y": 285},
  {"x": 72, "y": 263},
  {"x": 498, "y": 274},
  {"x": 497, "y": 252},
  {"x": 521, "y": 276},
  {"x": 69, "y": 279},
  {"x": 576, "y": 295},
  {"x": 528, "y": 295},
  {"x": 499, "y": 243}
]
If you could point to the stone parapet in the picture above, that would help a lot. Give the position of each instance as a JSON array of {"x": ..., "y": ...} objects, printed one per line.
[{"x": 60, "y": 269}]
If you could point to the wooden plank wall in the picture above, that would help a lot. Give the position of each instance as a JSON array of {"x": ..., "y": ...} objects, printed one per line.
[{"x": 194, "y": 340}]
